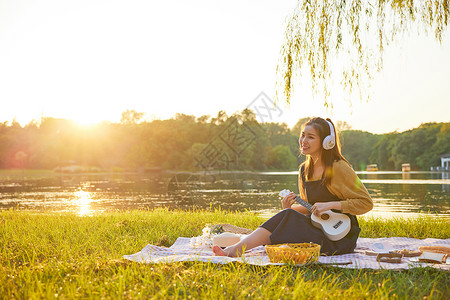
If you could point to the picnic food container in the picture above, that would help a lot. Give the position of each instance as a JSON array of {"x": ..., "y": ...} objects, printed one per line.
[{"x": 300, "y": 253}]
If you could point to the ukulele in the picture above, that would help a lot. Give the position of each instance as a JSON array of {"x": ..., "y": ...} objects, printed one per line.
[{"x": 334, "y": 225}]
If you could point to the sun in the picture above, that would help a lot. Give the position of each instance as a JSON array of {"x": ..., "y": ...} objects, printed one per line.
[
  {"x": 88, "y": 118},
  {"x": 86, "y": 122}
]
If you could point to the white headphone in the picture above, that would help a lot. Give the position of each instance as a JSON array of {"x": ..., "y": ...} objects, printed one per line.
[{"x": 330, "y": 140}]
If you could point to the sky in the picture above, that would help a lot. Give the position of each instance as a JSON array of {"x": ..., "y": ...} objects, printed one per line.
[{"x": 92, "y": 60}]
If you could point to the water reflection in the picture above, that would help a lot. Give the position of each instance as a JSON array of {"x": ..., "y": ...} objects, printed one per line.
[
  {"x": 85, "y": 194},
  {"x": 83, "y": 200},
  {"x": 406, "y": 175},
  {"x": 372, "y": 176}
]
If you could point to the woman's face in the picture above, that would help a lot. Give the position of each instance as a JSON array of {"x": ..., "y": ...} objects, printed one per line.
[{"x": 310, "y": 141}]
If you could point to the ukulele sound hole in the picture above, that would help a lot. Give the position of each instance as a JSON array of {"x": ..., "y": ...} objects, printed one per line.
[{"x": 325, "y": 217}]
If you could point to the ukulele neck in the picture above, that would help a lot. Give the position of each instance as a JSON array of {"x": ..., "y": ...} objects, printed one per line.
[{"x": 303, "y": 203}]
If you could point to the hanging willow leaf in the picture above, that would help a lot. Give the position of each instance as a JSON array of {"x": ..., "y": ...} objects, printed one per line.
[{"x": 344, "y": 40}]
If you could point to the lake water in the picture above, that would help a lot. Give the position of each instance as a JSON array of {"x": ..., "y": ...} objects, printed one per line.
[{"x": 394, "y": 193}]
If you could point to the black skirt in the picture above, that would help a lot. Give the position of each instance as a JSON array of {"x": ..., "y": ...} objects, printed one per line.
[{"x": 290, "y": 226}]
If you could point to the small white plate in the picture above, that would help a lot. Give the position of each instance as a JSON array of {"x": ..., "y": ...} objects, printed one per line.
[{"x": 416, "y": 260}]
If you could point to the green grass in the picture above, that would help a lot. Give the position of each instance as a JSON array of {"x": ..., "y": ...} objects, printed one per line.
[{"x": 48, "y": 255}]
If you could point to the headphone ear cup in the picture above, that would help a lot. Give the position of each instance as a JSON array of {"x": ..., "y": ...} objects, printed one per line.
[{"x": 328, "y": 142}]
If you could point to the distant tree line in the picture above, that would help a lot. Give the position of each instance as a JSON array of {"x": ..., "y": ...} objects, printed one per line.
[
  {"x": 421, "y": 147},
  {"x": 186, "y": 142}
]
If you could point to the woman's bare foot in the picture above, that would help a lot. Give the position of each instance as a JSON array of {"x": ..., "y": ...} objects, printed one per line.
[
  {"x": 260, "y": 236},
  {"x": 218, "y": 251}
]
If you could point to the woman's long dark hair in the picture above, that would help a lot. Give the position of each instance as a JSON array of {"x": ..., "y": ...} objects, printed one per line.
[{"x": 328, "y": 156}]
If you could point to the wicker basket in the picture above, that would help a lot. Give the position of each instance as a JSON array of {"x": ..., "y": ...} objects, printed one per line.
[{"x": 293, "y": 253}]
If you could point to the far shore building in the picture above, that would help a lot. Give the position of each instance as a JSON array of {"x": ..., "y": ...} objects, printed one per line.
[{"x": 445, "y": 163}]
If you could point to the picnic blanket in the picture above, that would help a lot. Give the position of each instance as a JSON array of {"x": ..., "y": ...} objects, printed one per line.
[{"x": 182, "y": 250}]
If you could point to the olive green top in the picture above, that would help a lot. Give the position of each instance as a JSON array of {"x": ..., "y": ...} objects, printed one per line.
[{"x": 345, "y": 185}]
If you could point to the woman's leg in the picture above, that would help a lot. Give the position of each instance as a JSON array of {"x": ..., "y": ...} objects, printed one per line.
[{"x": 260, "y": 236}]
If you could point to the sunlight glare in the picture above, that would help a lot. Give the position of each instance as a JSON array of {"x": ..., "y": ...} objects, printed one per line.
[
  {"x": 86, "y": 120},
  {"x": 83, "y": 200}
]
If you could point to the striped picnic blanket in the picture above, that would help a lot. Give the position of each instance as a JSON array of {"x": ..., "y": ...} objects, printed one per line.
[{"x": 182, "y": 250}]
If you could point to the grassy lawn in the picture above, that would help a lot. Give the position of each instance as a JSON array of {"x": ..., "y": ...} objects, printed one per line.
[{"x": 48, "y": 255}]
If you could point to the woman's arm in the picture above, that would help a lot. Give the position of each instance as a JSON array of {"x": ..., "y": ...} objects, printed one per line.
[
  {"x": 346, "y": 185},
  {"x": 300, "y": 209}
]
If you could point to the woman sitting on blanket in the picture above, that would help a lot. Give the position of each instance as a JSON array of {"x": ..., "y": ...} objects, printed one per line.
[{"x": 327, "y": 181}]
